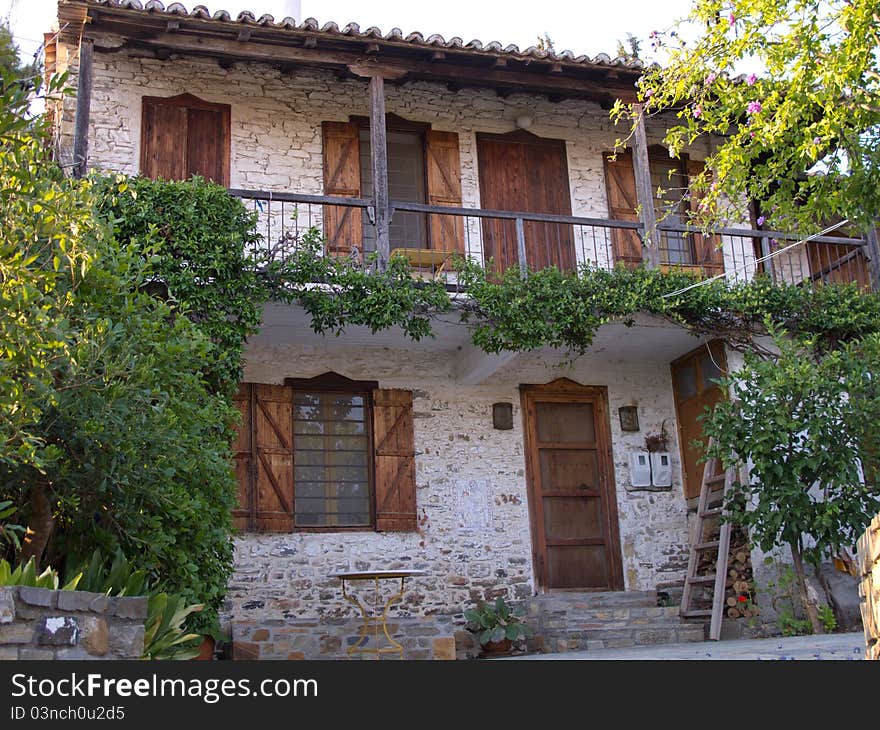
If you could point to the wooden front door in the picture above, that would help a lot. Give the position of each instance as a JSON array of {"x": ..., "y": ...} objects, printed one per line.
[
  {"x": 522, "y": 172},
  {"x": 694, "y": 382},
  {"x": 571, "y": 487}
]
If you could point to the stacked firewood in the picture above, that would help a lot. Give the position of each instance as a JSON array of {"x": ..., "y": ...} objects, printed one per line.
[{"x": 739, "y": 597}]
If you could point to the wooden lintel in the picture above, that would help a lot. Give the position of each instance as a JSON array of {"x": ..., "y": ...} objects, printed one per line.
[
  {"x": 438, "y": 56},
  {"x": 172, "y": 25},
  {"x": 369, "y": 70},
  {"x": 163, "y": 54},
  {"x": 244, "y": 35}
]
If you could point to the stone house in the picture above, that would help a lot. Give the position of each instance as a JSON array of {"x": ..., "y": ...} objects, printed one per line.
[{"x": 515, "y": 475}]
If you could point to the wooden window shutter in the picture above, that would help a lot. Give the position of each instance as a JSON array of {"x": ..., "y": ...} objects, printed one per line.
[
  {"x": 395, "y": 481},
  {"x": 443, "y": 164},
  {"x": 273, "y": 456},
  {"x": 707, "y": 251},
  {"x": 184, "y": 136},
  {"x": 620, "y": 185},
  {"x": 207, "y": 142},
  {"x": 343, "y": 226},
  {"x": 242, "y": 450},
  {"x": 163, "y": 147}
]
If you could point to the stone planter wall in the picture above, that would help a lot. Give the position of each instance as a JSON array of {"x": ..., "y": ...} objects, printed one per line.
[
  {"x": 38, "y": 623},
  {"x": 869, "y": 587}
]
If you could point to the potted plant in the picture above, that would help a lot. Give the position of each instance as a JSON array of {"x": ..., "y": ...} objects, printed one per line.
[{"x": 496, "y": 625}]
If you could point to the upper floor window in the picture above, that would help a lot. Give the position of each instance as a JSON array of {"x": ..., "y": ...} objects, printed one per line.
[{"x": 182, "y": 136}]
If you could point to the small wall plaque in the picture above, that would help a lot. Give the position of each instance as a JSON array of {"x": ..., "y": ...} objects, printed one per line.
[
  {"x": 502, "y": 416},
  {"x": 629, "y": 418}
]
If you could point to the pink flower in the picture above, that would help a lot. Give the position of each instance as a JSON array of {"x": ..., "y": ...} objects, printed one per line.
[
  {"x": 711, "y": 77},
  {"x": 751, "y": 79},
  {"x": 761, "y": 220},
  {"x": 754, "y": 107},
  {"x": 698, "y": 111},
  {"x": 731, "y": 19},
  {"x": 817, "y": 141},
  {"x": 649, "y": 93}
]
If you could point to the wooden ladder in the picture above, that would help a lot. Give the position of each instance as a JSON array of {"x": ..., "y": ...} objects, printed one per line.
[{"x": 711, "y": 504}]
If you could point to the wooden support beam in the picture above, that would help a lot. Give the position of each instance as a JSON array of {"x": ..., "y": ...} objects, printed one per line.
[
  {"x": 379, "y": 154},
  {"x": 83, "y": 108},
  {"x": 874, "y": 257},
  {"x": 644, "y": 191},
  {"x": 244, "y": 35},
  {"x": 172, "y": 25},
  {"x": 310, "y": 43},
  {"x": 556, "y": 68},
  {"x": 500, "y": 63},
  {"x": 372, "y": 47},
  {"x": 438, "y": 56}
]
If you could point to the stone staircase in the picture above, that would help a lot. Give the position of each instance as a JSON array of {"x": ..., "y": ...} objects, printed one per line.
[{"x": 588, "y": 621}]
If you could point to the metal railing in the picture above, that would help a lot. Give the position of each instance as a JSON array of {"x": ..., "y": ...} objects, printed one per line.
[{"x": 499, "y": 239}]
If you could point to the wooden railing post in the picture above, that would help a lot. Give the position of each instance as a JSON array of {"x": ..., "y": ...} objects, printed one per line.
[
  {"x": 521, "y": 246},
  {"x": 644, "y": 191},
  {"x": 379, "y": 153},
  {"x": 874, "y": 256},
  {"x": 83, "y": 106}
]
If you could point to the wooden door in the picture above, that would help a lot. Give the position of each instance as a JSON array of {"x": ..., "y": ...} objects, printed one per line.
[
  {"x": 694, "y": 382},
  {"x": 571, "y": 487},
  {"x": 522, "y": 172}
]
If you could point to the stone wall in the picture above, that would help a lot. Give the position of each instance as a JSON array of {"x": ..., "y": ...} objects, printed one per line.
[
  {"x": 427, "y": 637},
  {"x": 869, "y": 587},
  {"x": 38, "y": 623},
  {"x": 276, "y": 117},
  {"x": 474, "y": 535}
]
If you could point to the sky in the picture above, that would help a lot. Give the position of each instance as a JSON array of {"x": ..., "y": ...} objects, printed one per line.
[{"x": 588, "y": 27}]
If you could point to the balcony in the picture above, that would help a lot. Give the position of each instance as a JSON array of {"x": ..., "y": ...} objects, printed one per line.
[{"x": 499, "y": 239}]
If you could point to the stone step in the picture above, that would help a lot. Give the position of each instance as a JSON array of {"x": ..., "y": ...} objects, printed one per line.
[
  {"x": 608, "y": 599},
  {"x": 649, "y": 635},
  {"x": 606, "y": 617}
]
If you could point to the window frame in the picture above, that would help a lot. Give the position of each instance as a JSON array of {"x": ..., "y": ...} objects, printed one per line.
[
  {"x": 394, "y": 123},
  {"x": 334, "y": 383},
  {"x": 658, "y": 157}
]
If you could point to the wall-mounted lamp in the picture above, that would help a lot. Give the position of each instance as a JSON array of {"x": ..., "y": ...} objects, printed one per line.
[{"x": 524, "y": 121}]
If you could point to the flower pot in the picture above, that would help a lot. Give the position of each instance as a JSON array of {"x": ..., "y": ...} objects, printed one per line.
[
  {"x": 494, "y": 648},
  {"x": 206, "y": 649}
]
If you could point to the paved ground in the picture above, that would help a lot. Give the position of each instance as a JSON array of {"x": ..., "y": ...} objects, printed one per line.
[{"x": 830, "y": 646}]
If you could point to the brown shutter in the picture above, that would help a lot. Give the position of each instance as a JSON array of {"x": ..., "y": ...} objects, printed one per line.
[
  {"x": 395, "y": 460},
  {"x": 273, "y": 455},
  {"x": 620, "y": 184},
  {"x": 207, "y": 144},
  {"x": 444, "y": 188},
  {"x": 343, "y": 226},
  {"x": 242, "y": 450},
  {"x": 163, "y": 145},
  {"x": 184, "y": 136},
  {"x": 707, "y": 251}
]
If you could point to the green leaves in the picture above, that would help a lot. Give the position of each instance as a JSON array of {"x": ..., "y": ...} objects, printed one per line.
[
  {"x": 789, "y": 91},
  {"x": 165, "y": 635},
  {"x": 496, "y": 621}
]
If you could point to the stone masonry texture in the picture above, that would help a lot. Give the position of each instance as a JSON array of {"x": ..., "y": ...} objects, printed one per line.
[{"x": 38, "y": 623}]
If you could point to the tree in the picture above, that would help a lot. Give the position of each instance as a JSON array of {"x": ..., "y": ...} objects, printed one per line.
[
  {"x": 110, "y": 434},
  {"x": 808, "y": 424},
  {"x": 11, "y": 67},
  {"x": 790, "y": 90}
]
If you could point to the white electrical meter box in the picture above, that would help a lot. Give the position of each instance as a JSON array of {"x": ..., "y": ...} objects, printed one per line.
[
  {"x": 661, "y": 469},
  {"x": 640, "y": 468}
]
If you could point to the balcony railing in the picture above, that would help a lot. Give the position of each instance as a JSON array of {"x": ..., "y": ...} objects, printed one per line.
[{"x": 499, "y": 239}]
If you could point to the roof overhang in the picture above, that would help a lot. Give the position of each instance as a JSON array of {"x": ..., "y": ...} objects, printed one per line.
[{"x": 116, "y": 25}]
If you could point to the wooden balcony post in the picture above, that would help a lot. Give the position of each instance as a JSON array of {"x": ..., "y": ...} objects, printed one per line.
[
  {"x": 379, "y": 152},
  {"x": 645, "y": 192},
  {"x": 874, "y": 258},
  {"x": 83, "y": 106}
]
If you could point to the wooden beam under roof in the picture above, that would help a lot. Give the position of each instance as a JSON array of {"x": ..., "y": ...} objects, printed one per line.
[{"x": 209, "y": 38}]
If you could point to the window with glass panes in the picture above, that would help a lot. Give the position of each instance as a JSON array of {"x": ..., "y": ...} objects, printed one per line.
[
  {"x": 669, "y": 180},
  {"x": 332, "y": 459}
]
